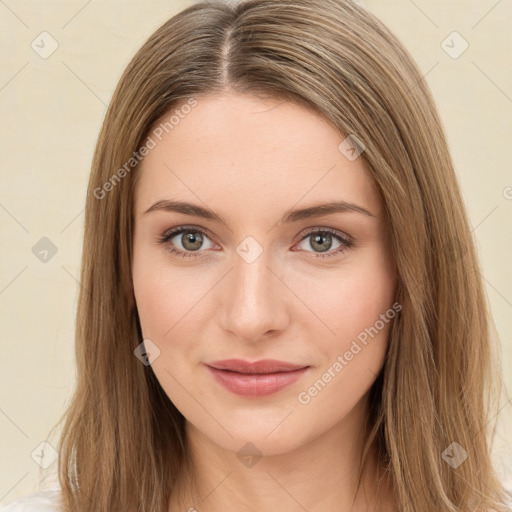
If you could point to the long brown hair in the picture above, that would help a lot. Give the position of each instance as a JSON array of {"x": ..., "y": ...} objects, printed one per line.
[{"x": 123, "y": 442}]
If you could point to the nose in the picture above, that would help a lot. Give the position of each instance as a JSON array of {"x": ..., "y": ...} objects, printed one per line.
[{"x": 255, "y": 300}]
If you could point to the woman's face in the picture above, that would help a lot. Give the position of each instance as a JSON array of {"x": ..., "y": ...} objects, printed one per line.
[{"x": 250, "y": 280}]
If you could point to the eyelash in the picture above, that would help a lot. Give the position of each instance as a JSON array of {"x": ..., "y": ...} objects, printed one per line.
[{"x": 344, "y": 240}]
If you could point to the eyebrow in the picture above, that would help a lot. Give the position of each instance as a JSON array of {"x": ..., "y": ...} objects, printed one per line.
[{"x": 288, "y": 217}]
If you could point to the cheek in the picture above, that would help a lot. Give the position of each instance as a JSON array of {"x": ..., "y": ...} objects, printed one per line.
[
  {"x": 162, "y": 298},
  {"x": 153, "y": 285},
  {"x": 353, "y": 297},
  {"x": 171, "y": 299},
  {"x": 153, "y": 298},
  {"x": 169, "y": 305},
  {"x": 356, "y": 304},
  {"x": 154, "y": 289},
  {"x": 352, "y": 357}
]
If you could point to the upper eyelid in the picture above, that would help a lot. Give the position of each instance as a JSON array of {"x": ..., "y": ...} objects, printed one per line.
[{"x": 180, "y": 229}]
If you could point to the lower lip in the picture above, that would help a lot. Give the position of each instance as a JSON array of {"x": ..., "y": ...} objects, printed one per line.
[{"x": 256, "y": 384}]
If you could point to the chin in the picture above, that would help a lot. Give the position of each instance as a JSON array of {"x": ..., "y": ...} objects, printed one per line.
[{"x": 256, "y": 436}]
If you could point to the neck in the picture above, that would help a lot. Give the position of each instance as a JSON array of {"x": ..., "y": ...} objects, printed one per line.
[{"x": 321, "y": 475}]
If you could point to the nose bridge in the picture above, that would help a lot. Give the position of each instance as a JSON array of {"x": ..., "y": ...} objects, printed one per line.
[{"x": 254, "y": 302}]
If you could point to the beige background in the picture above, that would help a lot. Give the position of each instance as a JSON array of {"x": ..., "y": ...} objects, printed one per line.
[{"x": 51, "y": 111}]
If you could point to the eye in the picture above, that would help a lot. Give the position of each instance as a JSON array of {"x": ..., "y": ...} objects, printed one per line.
[
  {"x": 322, "y": 240},
  {"x": 188, "y": 241}
]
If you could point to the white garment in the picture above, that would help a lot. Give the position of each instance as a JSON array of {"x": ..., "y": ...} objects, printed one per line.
[{"x": 39, "y": 501}]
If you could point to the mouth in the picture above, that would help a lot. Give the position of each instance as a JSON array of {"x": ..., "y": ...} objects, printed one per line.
[{"x": 255, "y": 379}]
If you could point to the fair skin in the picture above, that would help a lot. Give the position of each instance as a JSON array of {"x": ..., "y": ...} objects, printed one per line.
[{"x": 250, "y": 161}]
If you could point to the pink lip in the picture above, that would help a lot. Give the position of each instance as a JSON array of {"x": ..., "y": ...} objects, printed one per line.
[{"x": 259, "y": 378}]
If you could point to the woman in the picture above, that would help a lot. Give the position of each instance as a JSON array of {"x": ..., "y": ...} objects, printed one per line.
[{"x": 281, "y": 303}]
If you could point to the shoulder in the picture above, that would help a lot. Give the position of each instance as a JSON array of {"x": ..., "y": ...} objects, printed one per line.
[{"x": 39, "y": 501}]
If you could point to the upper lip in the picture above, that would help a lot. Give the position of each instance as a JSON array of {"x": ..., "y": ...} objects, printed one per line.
[{"x": 262, "y": 366}]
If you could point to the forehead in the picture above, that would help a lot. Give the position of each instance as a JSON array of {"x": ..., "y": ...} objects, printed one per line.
[{"x": 237, "y": 148}]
